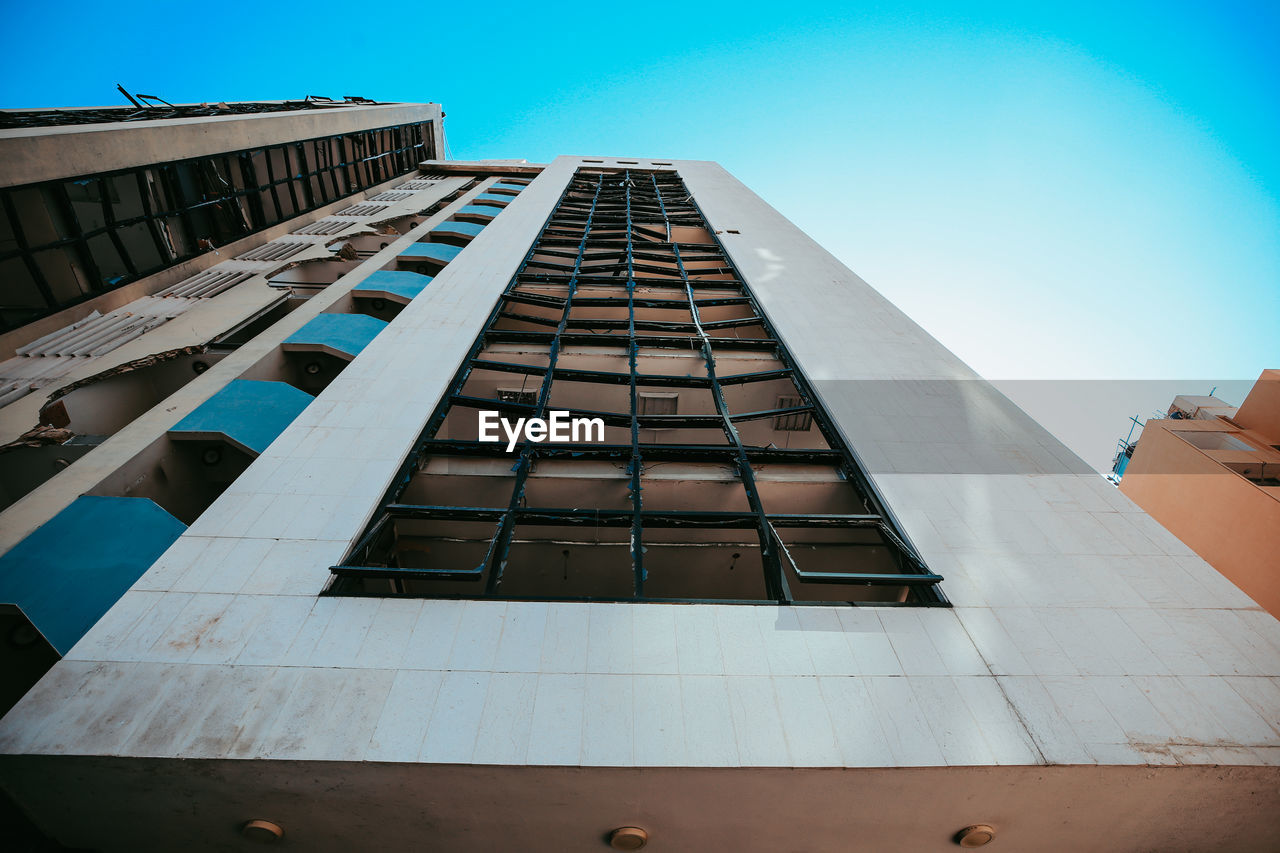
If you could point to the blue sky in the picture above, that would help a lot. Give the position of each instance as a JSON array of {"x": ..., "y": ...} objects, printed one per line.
[{"x": 1055, "y": 191}]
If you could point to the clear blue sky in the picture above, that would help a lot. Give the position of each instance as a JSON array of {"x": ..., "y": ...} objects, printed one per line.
[{"x": 1076, "y": 190}]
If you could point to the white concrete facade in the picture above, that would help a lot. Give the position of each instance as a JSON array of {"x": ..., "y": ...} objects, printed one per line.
[{"x": 1088, "y": 653}]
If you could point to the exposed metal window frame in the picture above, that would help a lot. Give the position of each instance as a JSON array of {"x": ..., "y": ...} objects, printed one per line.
[
  {"x": 914, "y": 573},
  {"x": 417, "y": 147}
]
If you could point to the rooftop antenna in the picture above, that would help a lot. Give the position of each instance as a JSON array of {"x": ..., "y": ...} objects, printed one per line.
[{"x": 1135, "y": 424}]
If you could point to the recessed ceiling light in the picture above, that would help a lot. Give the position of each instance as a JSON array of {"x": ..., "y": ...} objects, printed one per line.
[
  {"x": 262, "y": 830},
  {"x": 975, "y": 836},
  {"x": 628, "y": 838}
]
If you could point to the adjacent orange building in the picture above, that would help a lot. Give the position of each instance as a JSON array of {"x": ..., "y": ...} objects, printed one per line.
[{"x": 1212, "y": 477}]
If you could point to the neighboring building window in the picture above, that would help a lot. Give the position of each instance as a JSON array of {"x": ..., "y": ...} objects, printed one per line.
[
  {"x": 62, "y": 242},
  {"x": 719, "y": 476}
]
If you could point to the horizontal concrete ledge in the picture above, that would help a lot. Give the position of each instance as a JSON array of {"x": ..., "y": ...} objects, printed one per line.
[
  {"x": 481, "y": 167},
  {"x": 115, "y": 804},
  {"x": 32, "y": 155}
]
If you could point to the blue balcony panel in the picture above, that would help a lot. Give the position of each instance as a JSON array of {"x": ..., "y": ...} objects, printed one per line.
[
  {"x": 71, "y": 569},
  {"x": 247, "y": 413},
  {"x": 342, "y": 335}
]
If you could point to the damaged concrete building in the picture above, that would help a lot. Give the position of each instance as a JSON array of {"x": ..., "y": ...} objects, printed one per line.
[{"x": 818, "y": 582}]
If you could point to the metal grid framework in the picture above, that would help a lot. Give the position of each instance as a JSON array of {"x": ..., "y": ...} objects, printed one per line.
[
  {"x": 62, "y": 242},
  {"x": 627, "y": 298}
]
